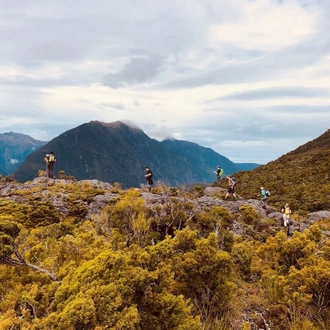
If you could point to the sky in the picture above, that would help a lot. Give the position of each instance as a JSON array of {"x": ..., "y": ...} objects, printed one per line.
[{"x": 248, "y": 78}]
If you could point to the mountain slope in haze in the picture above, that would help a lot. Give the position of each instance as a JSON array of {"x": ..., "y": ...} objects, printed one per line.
[
  {"x": 301, "y": 177},
  {"x": 116, "y": 152},
  {"x": 203, "y": 159},
  {"x": 14, "y": 147},
  {"x": 246, "y": 166}
]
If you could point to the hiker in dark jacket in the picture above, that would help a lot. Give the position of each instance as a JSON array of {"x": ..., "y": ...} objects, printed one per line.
[
  {"x": 148, "y": 178},
  {"x": 290, "y": 229}
]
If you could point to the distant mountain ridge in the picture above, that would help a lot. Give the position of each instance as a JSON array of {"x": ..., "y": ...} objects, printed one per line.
[
  {"x": 14, "y": 147},
  {"x": 117, "y": 152}
]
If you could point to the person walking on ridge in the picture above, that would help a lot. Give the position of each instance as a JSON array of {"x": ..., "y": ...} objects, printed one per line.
[
  {"x": 148, "y": 177},
  {"x": 231, "y": 187},
  {"x": 219, "y": 173}
]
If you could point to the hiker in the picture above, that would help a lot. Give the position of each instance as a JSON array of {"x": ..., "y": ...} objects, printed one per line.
[
  {"x": 219, "y": 173},
  {"x": 46, "y": 162},
  {"x": 286, "y": 211},
  {"x": 231, "y": 186},
  {"x": 264, "y": 194},
  {"x": 50, "y": 160},
  {"x": 148, "y": 178},
  {"x": 290, "y": 229}
]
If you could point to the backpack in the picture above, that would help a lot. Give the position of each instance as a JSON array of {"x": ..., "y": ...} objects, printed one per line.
[
  {"x": 221, "y": 172},
  {"x": 51, "y": 158},
  {"x": 267, "y": 193},
  {"x": 234, "y": 180}
]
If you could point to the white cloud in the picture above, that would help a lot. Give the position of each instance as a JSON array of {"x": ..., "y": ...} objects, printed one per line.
[
  {"x": 266, "y": 25},
  {"x": 241, "y": 77},
  {"x": 13, "y": 161}
]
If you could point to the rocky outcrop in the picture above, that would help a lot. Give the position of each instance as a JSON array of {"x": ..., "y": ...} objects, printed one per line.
[
  {"x": 315, "y": 216},
  {"x": 41, "y": 188}
]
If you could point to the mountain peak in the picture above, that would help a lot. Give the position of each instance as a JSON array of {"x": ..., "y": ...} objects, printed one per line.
[
  {"x": 170, "y": 138},
  {"x": 320, "y": 143},
  {"x": 118, "y": 125}
]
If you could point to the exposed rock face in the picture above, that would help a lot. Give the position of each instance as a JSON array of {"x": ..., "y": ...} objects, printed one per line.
[{"x": 320, "y": 215}]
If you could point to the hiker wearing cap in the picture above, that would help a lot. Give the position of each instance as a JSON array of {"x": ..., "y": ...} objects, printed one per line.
[{"x": 219, "y": 173}]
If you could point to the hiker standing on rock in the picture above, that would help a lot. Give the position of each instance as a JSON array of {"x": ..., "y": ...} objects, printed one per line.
[
  {"x": 219, "y": 173},
  {"x": 231, "y": 186},
  {"x": 264, "y": 194},
  {"x": 148, "y": 178},
  {"x": 50, "y": 160},
  {"x": 286, "y": 214},
  {"x": 46, "y": 162}
]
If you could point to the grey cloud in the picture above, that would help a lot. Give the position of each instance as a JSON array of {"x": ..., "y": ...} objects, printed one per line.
[
  {"x": 44, "y": 132},
  {"x": 118, "y": 106},
  {"x": 36, "y": 32},
  {"x": 42, "y": 82},
  {"x": 267, "y": 66},
  {"x": 255, "y": 137},
  {"x": 285, "y": 122},
  {"x": 277, "y": 92},
  {"x": 137, "y": 71}
]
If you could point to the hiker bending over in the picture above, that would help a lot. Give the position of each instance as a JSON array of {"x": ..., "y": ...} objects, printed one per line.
[
  {"x": 148, "y": 178},
  {"x": 231, "y": 187},
  {"x": 219, "y": 173}
]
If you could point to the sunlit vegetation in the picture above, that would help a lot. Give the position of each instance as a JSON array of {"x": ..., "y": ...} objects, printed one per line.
[
  {"x": 137, "y": 264},
  {"x": 301, "y": 177}
]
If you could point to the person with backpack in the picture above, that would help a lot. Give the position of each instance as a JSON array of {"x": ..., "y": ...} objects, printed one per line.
[
  {"x": 148, "y": 177},
  {"x": 264, "y": 194},
  {"x": 231, "y": 187},
  {"x": 286, "y": 211},
  {"x": 219, "y": 173},
  {"x": 50, "y": 160}
]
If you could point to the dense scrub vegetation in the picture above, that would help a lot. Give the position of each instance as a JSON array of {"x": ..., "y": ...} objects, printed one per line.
[{"x": 143, "y": 265}]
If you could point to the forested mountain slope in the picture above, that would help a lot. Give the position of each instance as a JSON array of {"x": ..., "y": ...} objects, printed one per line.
[
  {"x": 14, "y": 147},
  {"x": 116, "y": 152},
  {"x": 301, "y": 177}
]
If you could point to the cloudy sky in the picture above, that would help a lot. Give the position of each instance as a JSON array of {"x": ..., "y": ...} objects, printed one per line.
[{"x": 247, "y": 78}]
